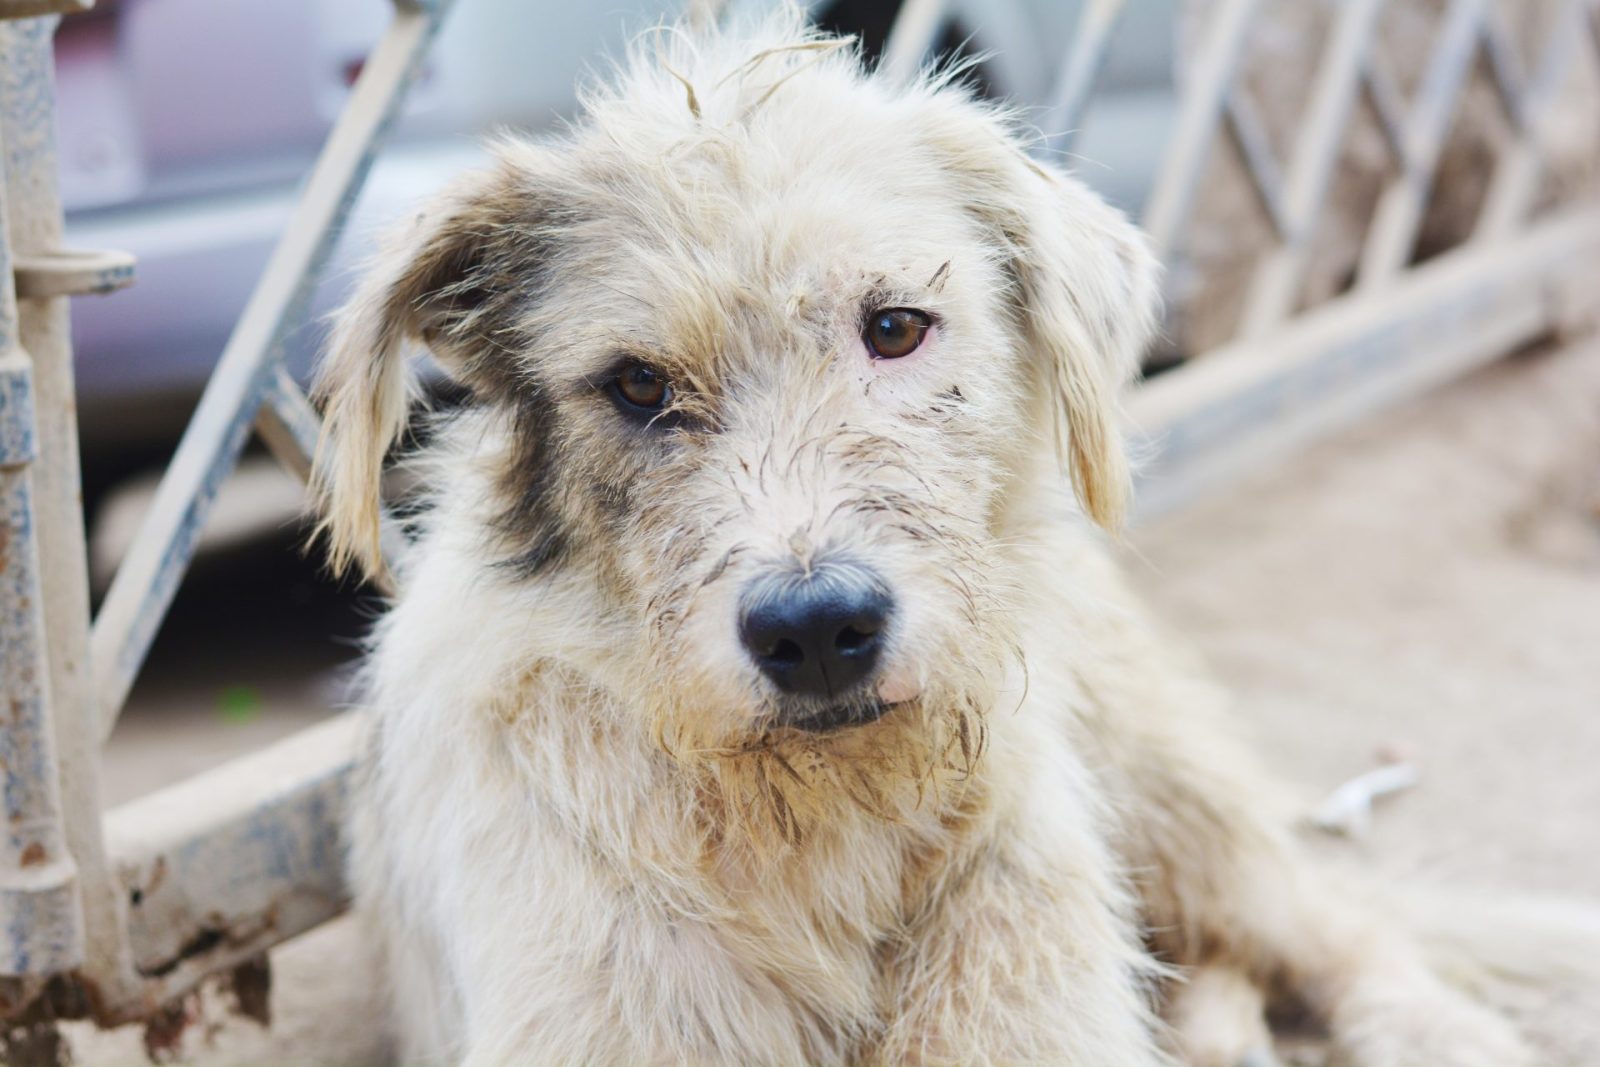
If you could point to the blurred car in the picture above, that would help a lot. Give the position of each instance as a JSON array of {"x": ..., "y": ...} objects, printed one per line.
[{"x": 186, "y": 127}]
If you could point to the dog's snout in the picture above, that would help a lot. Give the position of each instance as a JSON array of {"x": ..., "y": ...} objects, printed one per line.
[{"x": 817, "y": 634}]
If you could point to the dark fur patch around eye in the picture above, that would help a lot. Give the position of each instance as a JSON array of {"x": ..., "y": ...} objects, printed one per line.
[
  {"x": 476, "y": 320},
  {"x": 531, "y": 528},
  {"x": 529, "y": 524},
  {"x": 468, "y": 296}
]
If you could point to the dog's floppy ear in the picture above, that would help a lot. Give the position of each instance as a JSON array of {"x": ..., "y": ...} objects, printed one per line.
[
  {"x": 1086, "y": 287},
  {"x": 1089, "y": 287},
  {"x": 442, "y": 282}
]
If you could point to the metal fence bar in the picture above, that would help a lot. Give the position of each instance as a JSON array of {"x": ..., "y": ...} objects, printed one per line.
[
  {"x": 222, "y": 866},
  {"x": 1249, "y": 135},
  {"x": 1402, "y": 203},
  {"x": 1313, "y": 160},
  {"x": 145, "y": 583},
  {"x": 1205, "y": 95},
  {"x": 45, "y": 274},
  {"x": 916, "y": 27},
  {"x": 1216, "y": 418},
  {"x": 41, "y": 927},
  {"x": 1505, "y": 67},
  {"x": 1516, "y": 179},
  {"x": 1080, "y": 69},
  {"x": 288, "y": 423},
  {"x": 1387, "y": 107}
]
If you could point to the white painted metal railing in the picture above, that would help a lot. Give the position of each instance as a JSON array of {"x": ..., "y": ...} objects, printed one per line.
[
  {"x": 1290, "y": 374},
  {"x": 118, "y": 917}
]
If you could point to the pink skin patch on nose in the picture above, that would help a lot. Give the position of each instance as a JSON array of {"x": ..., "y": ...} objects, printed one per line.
[{"x": 897, "y": 689}]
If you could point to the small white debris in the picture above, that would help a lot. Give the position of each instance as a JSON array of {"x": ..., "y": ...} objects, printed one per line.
[{"x": 1347, "y": 811}]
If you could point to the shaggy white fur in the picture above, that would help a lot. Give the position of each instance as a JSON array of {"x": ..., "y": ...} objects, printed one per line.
[{"x": 588, "y": 831}]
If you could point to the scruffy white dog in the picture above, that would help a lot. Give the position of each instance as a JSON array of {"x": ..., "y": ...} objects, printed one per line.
[{"x": 754, "y": 696}]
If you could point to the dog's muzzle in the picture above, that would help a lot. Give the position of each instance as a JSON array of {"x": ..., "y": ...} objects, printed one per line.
[{"x": 818, "y": 636}]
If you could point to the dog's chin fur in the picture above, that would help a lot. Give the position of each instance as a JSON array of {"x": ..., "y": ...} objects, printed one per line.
[
  {"x": 583, "y": 833},
  {"x": 773, "y": 788}
]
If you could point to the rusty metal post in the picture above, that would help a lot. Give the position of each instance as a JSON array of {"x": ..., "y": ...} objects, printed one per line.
[
  {"x": 41, "y": 925},
  {"x": 87, "y": 937}
]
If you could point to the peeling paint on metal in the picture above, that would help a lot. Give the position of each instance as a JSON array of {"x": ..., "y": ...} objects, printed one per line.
[
  {"x": 40, "y": 928},
  {"x": 40, "y": 932}
]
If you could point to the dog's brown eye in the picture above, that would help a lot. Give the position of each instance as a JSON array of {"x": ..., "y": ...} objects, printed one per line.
[
  {"x": 642, "y": 388},
  {"x": 895, "y": 332}
]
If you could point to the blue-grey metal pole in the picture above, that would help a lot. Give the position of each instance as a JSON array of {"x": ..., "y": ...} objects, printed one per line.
[
  {"x": 44, "y": 274},
  {"x": 41, "y": 929}
]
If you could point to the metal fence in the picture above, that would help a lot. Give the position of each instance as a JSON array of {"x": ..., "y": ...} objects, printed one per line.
[{"x": 118, "y": 916}]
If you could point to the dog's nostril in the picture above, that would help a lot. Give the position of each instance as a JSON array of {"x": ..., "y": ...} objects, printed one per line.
[
  {"x": 784, "y": 654},
  {"x": 852, "y": 641}
]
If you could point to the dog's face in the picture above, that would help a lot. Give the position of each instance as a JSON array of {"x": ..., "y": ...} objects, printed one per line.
[{"x": 765, "y": 350}]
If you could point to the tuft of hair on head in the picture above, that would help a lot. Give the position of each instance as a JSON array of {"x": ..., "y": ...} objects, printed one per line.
[{"x": 718, "y": 68}]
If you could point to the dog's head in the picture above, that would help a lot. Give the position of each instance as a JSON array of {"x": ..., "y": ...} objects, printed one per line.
[{"x": 763, "y": 349}]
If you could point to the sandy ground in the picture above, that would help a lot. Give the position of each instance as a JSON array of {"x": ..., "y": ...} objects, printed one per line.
[{"x": 1428, "y": 583}]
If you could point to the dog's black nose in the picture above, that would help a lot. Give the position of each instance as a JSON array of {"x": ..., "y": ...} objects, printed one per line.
[{"x": 816, "y": 634}]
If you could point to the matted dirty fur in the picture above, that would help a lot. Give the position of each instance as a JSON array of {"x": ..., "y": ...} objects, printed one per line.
[{"x": 588, "y": 832}]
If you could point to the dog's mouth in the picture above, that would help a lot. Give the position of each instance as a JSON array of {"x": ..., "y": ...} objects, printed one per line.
[{"x": 841, "y": 716}]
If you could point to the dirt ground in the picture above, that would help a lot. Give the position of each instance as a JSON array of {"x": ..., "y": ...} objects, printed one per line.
[{"x": 1429, "y": 583}]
